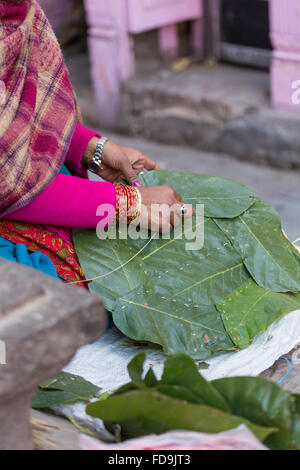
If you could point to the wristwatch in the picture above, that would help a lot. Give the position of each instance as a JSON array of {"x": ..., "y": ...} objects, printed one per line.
[{"x": 95, "y": 164}]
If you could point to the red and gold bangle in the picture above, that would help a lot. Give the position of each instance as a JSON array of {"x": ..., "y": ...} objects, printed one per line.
[{"x": 128, "y": 205}]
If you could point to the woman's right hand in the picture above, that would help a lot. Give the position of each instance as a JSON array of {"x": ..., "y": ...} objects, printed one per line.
[{"x": 161, "y": 208}]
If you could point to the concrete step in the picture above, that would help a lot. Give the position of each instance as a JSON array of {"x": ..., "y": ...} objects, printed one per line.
[
  {"x": 220, "y": 109},
  {"x": 42, "y": 323}
]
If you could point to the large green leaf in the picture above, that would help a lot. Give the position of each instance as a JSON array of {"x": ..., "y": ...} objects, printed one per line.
[
  {"x": 150, "y": 412},
  {"x": 198, "y": 331},
  {"x": 166, "y": 294},
  {"x": 222, "y": 197},
  {"x": 250, "y": 310},
  {"x": 202, "y": 276},
  {"x": 262, "y": 402},
  {"x": 268, "y": 255},
  {"x": 101, "y": 258},
  {"x": 179, "y": 392}
]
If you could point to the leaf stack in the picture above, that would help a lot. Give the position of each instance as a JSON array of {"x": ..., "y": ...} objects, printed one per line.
[{"x": 206, "y": 301}]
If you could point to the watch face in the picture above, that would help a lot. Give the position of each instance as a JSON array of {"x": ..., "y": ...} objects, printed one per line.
[{"x": 93, "y": 167}]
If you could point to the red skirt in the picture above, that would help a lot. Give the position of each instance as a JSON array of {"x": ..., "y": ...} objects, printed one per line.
[{"x": 40, "y": 238}]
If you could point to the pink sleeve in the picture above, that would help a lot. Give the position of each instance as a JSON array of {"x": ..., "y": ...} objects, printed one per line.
[
  {"x": 70, "y": 201},
  {"x": 80, "y": 139}
]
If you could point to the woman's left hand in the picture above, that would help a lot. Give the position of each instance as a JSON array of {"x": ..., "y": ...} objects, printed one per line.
[{"x": 122, "y": 162}]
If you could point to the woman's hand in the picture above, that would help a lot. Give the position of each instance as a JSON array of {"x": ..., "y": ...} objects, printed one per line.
[
  {"x": 120, "y": 162},
  {"x": 161, "y": 209}
]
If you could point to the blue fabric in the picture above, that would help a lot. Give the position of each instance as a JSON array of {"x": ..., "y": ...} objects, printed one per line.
[
  {"x": 64, "y": 171},
  {"x": 19, "y": 253}
]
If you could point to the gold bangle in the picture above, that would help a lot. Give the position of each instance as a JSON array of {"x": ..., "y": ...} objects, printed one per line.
[{"x": 138, "y": 204}]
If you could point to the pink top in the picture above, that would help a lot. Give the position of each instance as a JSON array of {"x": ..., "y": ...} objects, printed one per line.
[{"x": 70, "y": 201}]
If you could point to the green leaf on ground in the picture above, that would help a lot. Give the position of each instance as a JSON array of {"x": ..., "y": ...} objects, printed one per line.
[
  {"x": 49, "y": 398},
  {"x": 65, "y": 388}
]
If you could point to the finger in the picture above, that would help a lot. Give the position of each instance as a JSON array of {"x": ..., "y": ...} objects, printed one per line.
[
  {"x": 165, "y": 228},
  {"x": 165, "y": 222},
  {"x": 176, "y": 215},
  {"x": 128, "y": 172},
  {"x": 180, "y": 212},
  {"x": 117, "y": 180},
  {"x": 176, "y": 219},
  {"x": 108, "y": 175},
  {"x": 150, "y": 164},
  {"x": 177, "y": 196}
]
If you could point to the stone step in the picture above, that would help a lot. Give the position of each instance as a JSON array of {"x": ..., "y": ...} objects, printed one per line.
[
  {"x": 222, "y": 109},
  {"x": 43, "y": 322}
]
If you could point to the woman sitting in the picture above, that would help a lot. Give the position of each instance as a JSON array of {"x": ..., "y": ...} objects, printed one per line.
[{"x": 45, "y": 153}]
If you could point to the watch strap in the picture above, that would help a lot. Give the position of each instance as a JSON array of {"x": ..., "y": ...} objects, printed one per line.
[{"x": 96, "y": 163}]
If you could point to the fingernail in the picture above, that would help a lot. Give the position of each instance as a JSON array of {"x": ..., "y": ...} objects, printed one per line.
[{"x": 137, "y": 183}]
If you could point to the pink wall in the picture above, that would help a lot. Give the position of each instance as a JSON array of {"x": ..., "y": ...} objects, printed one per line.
[{"x": 285, "y": 70}]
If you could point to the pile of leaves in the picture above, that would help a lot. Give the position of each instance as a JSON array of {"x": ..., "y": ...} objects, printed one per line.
[
  {"x": 184, "y": 400},
  {"x": 201, "y": 302}
]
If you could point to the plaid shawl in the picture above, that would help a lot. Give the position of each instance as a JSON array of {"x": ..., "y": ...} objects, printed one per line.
[{"x": 38, "y": 113}]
